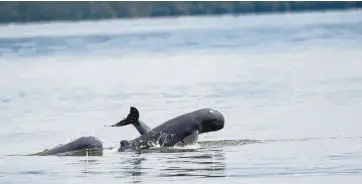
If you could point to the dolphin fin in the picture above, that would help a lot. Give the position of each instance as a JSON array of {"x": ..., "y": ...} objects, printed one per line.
[
  {"x": 189, "y": 140},
  {"x": 132, "y": 117}
]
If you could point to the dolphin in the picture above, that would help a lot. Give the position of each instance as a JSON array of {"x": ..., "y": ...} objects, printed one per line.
[
  {"x": 181, "y": 130},
  {"x": 82, "y": 146}
]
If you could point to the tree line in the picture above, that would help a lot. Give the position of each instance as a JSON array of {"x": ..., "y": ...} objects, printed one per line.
[{"x": 34, "y": 11}]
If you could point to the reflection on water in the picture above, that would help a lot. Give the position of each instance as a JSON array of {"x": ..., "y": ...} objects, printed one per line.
[
  {"x": 208, "y": 163},
  {"x": 87, "y": 165},
  {"x": 133, "y": 168},
  {"x": 140, "y": 166}
]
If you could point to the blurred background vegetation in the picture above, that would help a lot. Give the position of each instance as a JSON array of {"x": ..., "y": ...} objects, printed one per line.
[{"x": 13, "y": 11}]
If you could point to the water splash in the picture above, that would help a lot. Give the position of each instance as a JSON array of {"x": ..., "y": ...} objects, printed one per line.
[{"x": 223, "y": 143}]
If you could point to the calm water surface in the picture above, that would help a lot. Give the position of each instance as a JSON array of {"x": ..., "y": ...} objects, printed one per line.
[{"x": 289, "y": 86}]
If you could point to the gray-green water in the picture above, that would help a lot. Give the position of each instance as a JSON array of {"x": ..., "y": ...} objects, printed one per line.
[{"x": 289, "y": 86}]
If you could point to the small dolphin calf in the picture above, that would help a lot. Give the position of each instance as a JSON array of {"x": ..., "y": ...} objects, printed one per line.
[
  {"x": 181, "y": 130},
  {"x": 80, "y": 146}
]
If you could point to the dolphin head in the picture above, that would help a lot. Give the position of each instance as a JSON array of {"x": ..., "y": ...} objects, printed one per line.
[{"x": 210, "y": 120}]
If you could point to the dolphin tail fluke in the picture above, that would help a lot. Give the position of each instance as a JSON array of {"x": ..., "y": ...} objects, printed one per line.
[{"x": 132, "y": 117}]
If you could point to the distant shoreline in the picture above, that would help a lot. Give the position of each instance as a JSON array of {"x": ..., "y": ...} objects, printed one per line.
[{"x": 12, "y": 12}]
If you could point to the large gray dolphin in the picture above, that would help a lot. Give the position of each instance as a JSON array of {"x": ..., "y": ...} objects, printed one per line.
[{"x": 181, "y": 130}]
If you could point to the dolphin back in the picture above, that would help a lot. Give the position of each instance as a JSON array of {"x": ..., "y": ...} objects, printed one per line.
[{"x": 79, "y": 145}]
